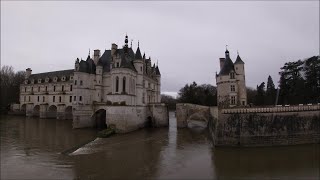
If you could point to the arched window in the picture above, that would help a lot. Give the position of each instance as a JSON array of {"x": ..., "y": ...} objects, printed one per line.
[
  {"x": 117, "y": 84},
  {"x": 124, "y": 84}
]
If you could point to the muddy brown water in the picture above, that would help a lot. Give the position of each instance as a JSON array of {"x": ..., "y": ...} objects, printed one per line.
[{"x": 33, "y": 148}]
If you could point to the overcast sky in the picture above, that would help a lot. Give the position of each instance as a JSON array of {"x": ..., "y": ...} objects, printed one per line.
[{"x": 187, "y": 38}]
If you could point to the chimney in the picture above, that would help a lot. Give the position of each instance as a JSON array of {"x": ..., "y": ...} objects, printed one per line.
[
  {"x": 28, "y": 73},
  {"x": 221, "y": 62},
  {"x": 114, "y": 47},
  {"x": 96, "y": 56}
]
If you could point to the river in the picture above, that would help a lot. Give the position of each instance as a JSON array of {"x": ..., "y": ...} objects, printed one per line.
[{"x": 33, "y": 148}]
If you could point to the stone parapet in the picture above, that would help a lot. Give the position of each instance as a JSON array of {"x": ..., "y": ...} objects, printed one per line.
[{"x": 315, "y": 107}]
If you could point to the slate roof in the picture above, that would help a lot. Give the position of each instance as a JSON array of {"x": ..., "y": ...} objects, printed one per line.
[
  {"x": 238, "y": 60},
  {"x": 138, "y": 54},
  {"x": 67, "y": 73},
  {"x": 87, "y": 66},
  {"x": 227, "y": 67},
  {"x": 157, "y": 71}
]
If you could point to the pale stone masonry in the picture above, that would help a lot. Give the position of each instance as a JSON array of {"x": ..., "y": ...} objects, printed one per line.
[
  {"x": 231, "y": 84},
  {"x": 121, "y": 82}
]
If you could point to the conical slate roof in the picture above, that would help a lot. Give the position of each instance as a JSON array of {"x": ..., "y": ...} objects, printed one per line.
[
  {"x": 138, "y": 54},
  {"x": 238, "y": 60}
]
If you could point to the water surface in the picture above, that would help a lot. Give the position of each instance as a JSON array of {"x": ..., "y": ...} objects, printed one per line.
[{"x": 31, "y": 149}]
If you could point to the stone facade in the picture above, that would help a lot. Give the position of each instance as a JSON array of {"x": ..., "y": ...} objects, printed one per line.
[
  {"x": 121, "y": 82},
  {"x": 231, "y": 85}
]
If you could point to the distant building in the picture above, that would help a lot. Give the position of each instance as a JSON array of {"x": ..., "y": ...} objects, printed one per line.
[
  {"x": 120, "y": 84},
  {"x": 231, "y": 84}
]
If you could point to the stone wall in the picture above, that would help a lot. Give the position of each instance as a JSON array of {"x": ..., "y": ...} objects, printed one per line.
[
  {"x": 160, "y": 115},
  {"x": 268, "y": 126}
]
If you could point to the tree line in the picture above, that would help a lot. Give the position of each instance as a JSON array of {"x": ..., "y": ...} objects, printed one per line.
[
  {"x": 10, "y": 86},
  {"x": 299, "y": 84}
]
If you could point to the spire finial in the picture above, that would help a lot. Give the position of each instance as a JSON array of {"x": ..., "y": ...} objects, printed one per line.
[
  {"x": 138, "y": 43},
  {"x": 131, "y": 42},
  {"x": 157, "y": 62},
  {"x": 238, "y": 52},
  {"x": 226, "y": 47},
  {"x": 89, "y": 51}
]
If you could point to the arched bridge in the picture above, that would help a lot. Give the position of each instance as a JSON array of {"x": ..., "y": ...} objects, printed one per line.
[{"x": 186, "y": 112}]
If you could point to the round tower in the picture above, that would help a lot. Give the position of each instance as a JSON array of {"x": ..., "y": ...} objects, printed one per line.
[
  {"x": 138, "y": 64},
  {"x": 241, "y": 81}
]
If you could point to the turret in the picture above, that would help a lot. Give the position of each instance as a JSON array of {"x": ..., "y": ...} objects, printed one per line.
[
  {"x": 77, "y": 65},
  {"x": 239, "y": 65},
  {"x": 28, "y": 73},
  {"x": 138, "y": 62},
  {"x": 96, "y": 56}
]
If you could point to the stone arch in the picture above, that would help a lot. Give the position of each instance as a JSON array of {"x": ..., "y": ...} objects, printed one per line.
[
  {"x": 36, "y": 110},
  {"x": 198, "y": 117},
  {"x": 99, "y": 119},
  {"x": 149, "y": 122},
  {"x": 52, "y": 112},
  {"x": 23, "y": 108},
  {"x": 68, "y": 112}
]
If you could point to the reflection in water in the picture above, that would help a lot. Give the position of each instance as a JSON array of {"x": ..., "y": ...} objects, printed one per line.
[{"x": 31, "y": 149}]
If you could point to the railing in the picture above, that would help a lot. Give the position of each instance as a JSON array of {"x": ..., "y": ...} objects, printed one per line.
[{"x": 287, "y": 108}]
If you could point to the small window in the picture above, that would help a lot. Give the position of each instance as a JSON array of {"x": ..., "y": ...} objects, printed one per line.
[
  {"x": 117, "y": 84},
  {"x": 233, "y": 88},
  {"x": 232, "y": 75},
  {"x": 70, "y": 87},
  {"x": 38, "y": 98},
  {"x": 141, "y": 68},
  {"x": 43, "y": 99},
  {"x": 29, "y": 98},
  {"x": 75, "y": 82},
  {"x": 59, "y": 98},
  {"x": 62, "y": 87},
  {"x": 118, "y": 65},
  {"x": 233, "y": 100},
  {"x": 54, "y": 88},
  {"x": 39, "y": 89},
  {"x": 243, "y": 103},
  {"x": 25, "y": 89},
  {"x": 70, "y": 99},
  {"x": 46, "y": 88},
  {"x": 81, "y": 83},
  {"x": 31, "y": 89},
  {"x": 74, "y": 98},
  {"x": 71, "y": 77},
  {"x": 53, "y": 99},
  {"x": 80, "y": 98}
]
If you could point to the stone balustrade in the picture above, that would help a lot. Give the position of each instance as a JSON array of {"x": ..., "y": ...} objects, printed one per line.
[{"x": 314, "y": 107}]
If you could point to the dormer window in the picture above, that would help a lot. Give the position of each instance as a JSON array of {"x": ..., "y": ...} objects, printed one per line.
[
  {"x": 55, "y": 79},
  {"x": 232, "y": 75},
  {"x": 71, "y": 77},
  {"x": 63, "y": 78},
  {"x": 39, "y": 80},
  {"x": 47, "y": 80}
]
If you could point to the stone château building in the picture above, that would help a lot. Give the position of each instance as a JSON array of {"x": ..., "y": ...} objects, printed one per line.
[
  {"x": 120, "y": 87},
  {"x": 231, "y": 84}
]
